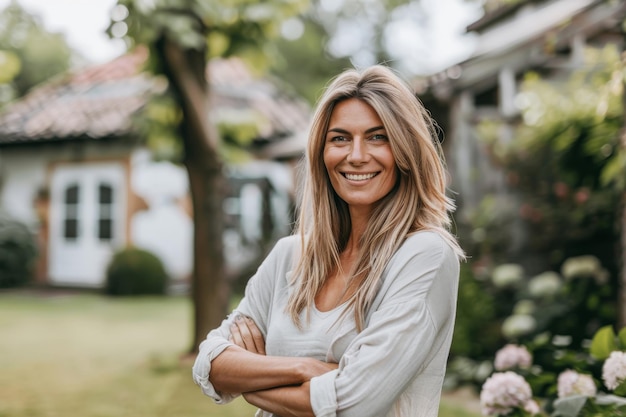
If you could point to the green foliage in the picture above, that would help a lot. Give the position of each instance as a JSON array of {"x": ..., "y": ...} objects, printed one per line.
[
  {"x": 225, "y": 28},
  {"x": 10, "y": 66},
  {"x": 35, "y": 54},
  {"x": 606, "y": 341},
  {"x": 566, "y": 166},
  {"x": 158, "y": 123},
  {"x": 304, "y": 62},
  {"x": 587, "y": 387},
  {"x": 134, "y": 271},
  {"x": 477, "y": 330},
  {"x": 552, "y": 313},
  {"x": 18, "y": 252}
]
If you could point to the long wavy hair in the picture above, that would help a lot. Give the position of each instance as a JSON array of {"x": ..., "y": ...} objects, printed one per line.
[{"x": 417, "y": 202}]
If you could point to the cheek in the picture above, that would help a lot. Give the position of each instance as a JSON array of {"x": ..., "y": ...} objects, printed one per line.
[{"x": 330, "y": 160}]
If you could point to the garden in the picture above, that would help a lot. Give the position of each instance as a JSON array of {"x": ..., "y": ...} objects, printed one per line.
[
  {"x": 538, "y": 328},
  {"x": 88, "y": 355}
]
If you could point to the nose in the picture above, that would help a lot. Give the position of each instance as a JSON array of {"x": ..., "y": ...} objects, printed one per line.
[{"x": 358, "y": 152}]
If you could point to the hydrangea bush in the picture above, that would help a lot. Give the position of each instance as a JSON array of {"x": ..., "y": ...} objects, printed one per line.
[
  {"x": 573, "y": 393},
  {"x": 552, "y": 313}
]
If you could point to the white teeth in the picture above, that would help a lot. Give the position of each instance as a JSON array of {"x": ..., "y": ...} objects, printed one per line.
[{"x": 360, "y": 177}]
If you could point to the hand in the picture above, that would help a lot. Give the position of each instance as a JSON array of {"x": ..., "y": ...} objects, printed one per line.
[{"x": 245, "y": 334}]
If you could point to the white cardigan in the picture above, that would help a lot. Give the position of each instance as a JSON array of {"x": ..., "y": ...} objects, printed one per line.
[{"x": 394, "y": 367}]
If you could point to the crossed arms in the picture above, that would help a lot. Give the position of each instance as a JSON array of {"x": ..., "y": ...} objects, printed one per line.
[{"x": 279, "y": 385}]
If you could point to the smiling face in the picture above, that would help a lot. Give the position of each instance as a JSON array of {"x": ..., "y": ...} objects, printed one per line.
[{"x": 357, "y": 155}]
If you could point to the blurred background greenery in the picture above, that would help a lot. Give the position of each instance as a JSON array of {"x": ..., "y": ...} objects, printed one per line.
[{"x": 536, "y": 150}]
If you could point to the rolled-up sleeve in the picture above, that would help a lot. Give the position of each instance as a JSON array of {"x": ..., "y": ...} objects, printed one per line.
[
  {"x": 256, "y": 305},
  {"x": 210, "y": 348},
  {"x": 403, "y": 334}
]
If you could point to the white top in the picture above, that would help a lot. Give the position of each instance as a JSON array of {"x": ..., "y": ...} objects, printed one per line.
[{"x": 394, "y": 367}]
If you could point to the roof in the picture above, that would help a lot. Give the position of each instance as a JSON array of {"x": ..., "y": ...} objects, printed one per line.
[
  {"x": 519, "y": 41},
  {"x": 99, "y": 102},
  {"x": 497, "y": 14},
  {"x": 238, "y": 95}
]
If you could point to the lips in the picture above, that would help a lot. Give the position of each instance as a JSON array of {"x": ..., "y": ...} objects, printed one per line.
[{"x": 360, "y": 177}]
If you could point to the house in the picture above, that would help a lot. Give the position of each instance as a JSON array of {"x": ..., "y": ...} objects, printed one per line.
[
  {"x": 548, "y": 36},
  {"x": 77, "y": 170}
]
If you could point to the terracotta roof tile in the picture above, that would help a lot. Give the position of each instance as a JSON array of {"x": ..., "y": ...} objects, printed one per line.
[{"x": 100, "y": 101}]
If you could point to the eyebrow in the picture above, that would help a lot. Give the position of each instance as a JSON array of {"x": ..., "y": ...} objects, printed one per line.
[{"x": 370, "y": 130}]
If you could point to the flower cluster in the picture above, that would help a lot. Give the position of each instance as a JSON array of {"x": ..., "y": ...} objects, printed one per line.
[
  {"x": 512, "y": 356},
  {"x": 507, "y": 393},
  {"x": 614, "y": 370},
  {"x": 503, "y": 392},
  {"x": 571, "y": 383}
]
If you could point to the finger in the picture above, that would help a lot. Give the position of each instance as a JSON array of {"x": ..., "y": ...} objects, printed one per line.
[
  {"x": 236, "y": 336},
  {"x": 257, "y": 336},
  {"x": 246, "y": 336}
]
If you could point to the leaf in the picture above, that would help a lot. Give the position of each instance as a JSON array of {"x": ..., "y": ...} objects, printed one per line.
[
  {"x": 621, "y": 336},
  {"x": 603, "y": 343},
  {"x": 569, "y": 406},
  {"x": 610, "y": 400},
  {"x": 621, "y": 391}
]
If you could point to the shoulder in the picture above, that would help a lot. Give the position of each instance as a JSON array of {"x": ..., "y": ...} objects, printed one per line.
[
  {"x": 287, "y": 244},
  {"x": 285, "y": 249},
  {"x": 426, "y": 243}
]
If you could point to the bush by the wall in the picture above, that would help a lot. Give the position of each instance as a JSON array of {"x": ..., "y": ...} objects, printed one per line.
[
  {"x": 18, "y": 252},
  {"x": 135, "y": 271}
]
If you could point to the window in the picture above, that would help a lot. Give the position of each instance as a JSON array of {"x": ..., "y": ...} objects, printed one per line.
[
  {"x": 71, "y": 199},
  {"x": 105, "y": 212}
]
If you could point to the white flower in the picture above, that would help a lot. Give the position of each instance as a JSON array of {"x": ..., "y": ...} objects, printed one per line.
[
  {"x": 511, "y": 356},
  {"x": 504, "y": 391},
  {"x": 572, "y": 383},
  {"x": 614, "y": 370},
  {"x": 584, "y": 267},
  {"x": 544, "y": 285},
  {"x": 518, "y": 325},
  {"x": 524, "y": 307},
  {"x": 507, "y": 275}
]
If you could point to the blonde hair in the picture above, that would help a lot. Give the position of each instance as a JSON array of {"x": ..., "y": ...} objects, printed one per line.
[{"x": 417, "y": 202}]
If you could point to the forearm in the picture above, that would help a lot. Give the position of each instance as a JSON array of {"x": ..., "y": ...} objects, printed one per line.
[
  {"x": 292, "y": 401},
  {"x": 236, "y": 371}
]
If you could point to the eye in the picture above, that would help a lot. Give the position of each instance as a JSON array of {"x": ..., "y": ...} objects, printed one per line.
[
  {"x": 378, "y": 137},
  {"x": 338, "y": 139}
]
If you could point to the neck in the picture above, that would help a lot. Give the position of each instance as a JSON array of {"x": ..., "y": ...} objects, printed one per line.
[{"x": 358, "y": 221}]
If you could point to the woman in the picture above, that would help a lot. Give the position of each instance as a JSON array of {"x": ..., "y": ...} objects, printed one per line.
[{"x": 353, "y": 315}]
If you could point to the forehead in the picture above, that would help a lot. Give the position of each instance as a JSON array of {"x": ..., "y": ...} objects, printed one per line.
[{"x": 353, "y": 112}]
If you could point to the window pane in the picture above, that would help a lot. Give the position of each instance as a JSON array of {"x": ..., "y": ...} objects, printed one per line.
[
  {"x": 105, "y": 229},
  {"x": 72, "y": 194},
  {"x": 105, "y": 194},
  {"x": 70, "y": 229}
]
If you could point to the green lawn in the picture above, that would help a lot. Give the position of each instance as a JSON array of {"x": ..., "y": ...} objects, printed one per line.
[{"x": 91, "y": 356}]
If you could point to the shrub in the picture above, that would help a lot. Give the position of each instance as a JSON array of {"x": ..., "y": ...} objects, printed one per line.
[
  {"x": 134, "y": 271},
  {"x": 18, "y": 251},
  {"x": 581, "y": 390}
]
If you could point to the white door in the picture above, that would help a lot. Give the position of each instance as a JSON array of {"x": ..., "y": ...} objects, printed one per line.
[{"x": 87, "y": 222}]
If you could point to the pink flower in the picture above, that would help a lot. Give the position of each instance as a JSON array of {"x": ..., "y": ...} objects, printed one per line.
[
  {"x": 532, "y": 407},
  {"x": 614, "y": 370},
  {"x": 511, "y": 356},
  {"x": 572, "y": 383},
  {"x": 504, "y": 391},
  {"x": 560, "y": 189},
  {"x": 582, "y": 195}
]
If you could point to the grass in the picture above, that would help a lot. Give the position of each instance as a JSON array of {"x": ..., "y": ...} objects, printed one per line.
[{"x": 91, "y": 356}]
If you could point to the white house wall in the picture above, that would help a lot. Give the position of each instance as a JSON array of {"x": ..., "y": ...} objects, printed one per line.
[
  {"x": 164, "y": 228},
  {"x": 21, "y": 175}
]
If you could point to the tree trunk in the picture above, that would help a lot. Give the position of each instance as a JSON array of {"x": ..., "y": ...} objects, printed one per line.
[
  {"x": 186, "y": 69},
  {"x": 622, "y": 289},
  {"x": 621, "y": 299}
]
